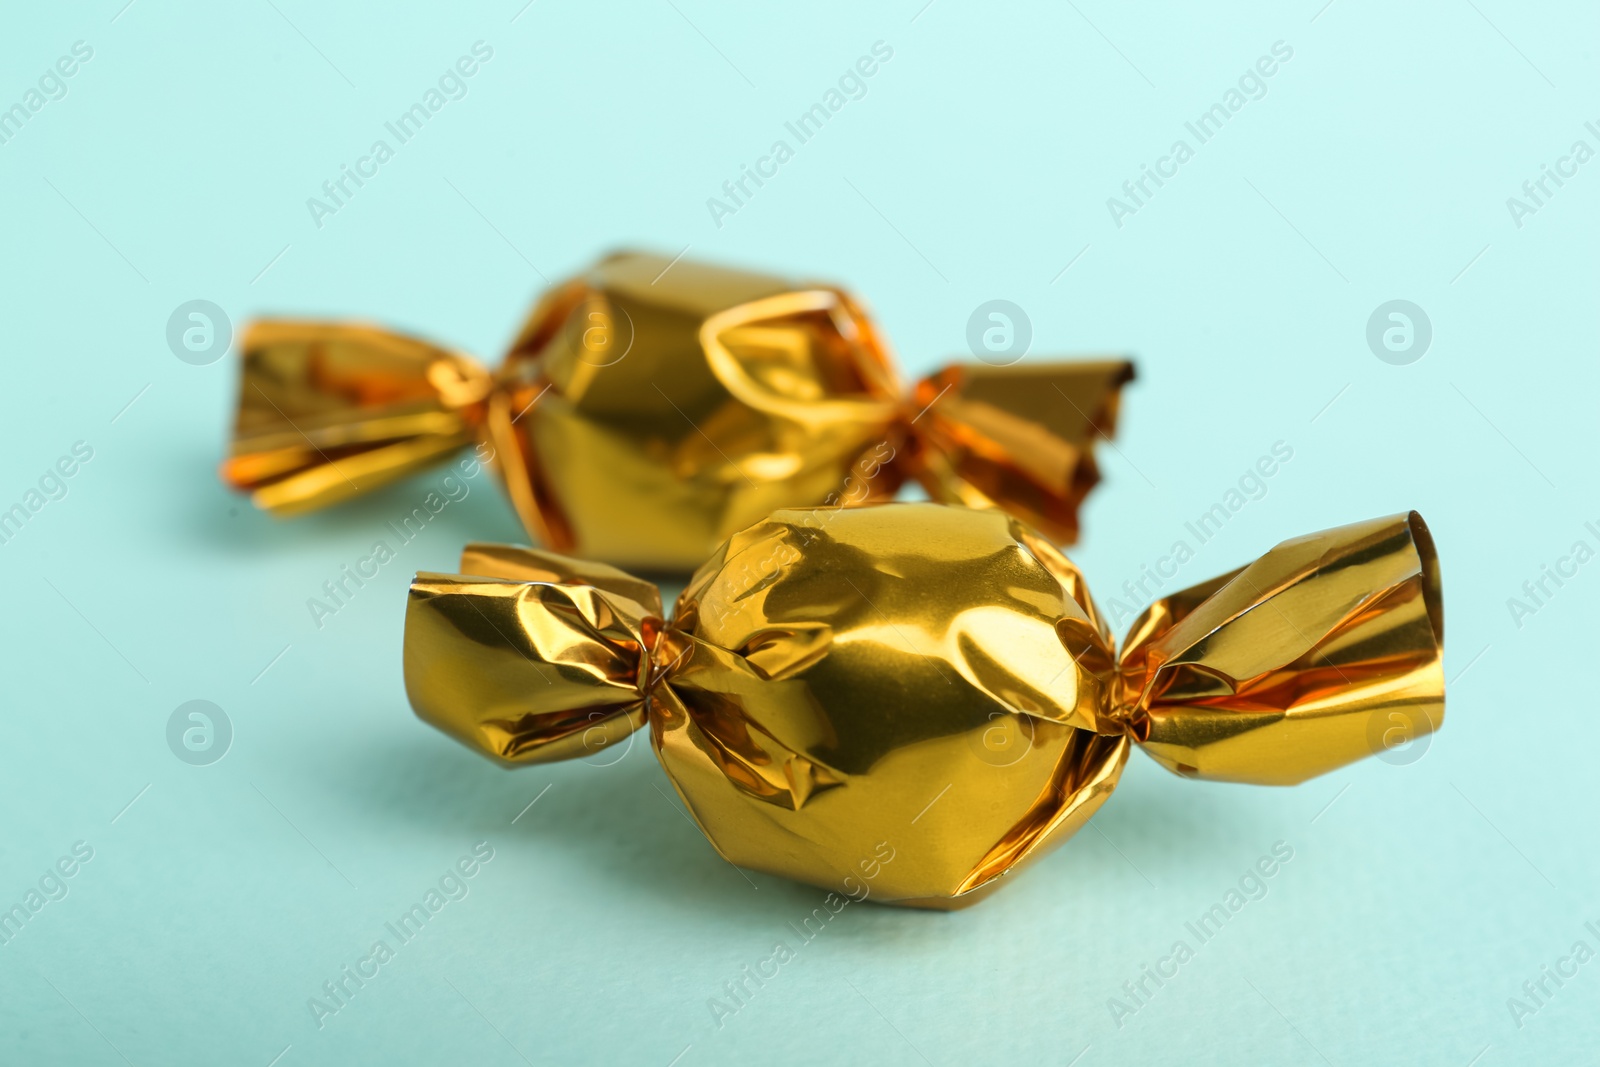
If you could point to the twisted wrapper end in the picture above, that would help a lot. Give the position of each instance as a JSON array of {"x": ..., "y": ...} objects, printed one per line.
[
  {"x": 1019, "y": 437},
  {"x": 529, "y": 656},
  {"x": 328, "y": 411},
  {"x": 1325, "y": 650}
]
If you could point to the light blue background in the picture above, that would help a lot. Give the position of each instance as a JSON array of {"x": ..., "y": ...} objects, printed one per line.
[{"x": 978, "y": 165}]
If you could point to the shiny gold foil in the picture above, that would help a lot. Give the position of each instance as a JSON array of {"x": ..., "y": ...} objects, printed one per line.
[
  {"x": 652, "y": 408},
  {"x": 930, "y": 680}
]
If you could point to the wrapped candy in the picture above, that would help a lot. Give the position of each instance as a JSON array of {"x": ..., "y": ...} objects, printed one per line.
[
  {"x": 651, "y": 408},
  {"x": 925, "y": 691}
]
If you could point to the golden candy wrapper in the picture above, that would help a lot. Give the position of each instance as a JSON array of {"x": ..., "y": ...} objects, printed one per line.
[
  {"x": 928, "y": 682},
  {"x": 652, "y": 408}
]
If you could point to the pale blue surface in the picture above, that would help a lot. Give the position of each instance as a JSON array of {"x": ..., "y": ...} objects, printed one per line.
[{"x": 984, "y": 151}]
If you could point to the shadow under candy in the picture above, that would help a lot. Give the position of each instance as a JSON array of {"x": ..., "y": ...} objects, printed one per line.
[
  {"x": 617, "y": 816},
  {"x": 442, "y": 504}
]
